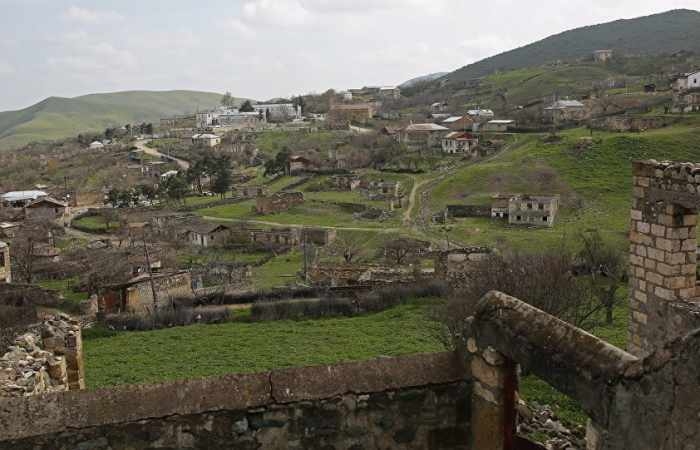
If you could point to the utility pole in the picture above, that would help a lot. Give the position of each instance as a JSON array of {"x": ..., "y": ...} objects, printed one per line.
[{"x": 150, "y": 274}]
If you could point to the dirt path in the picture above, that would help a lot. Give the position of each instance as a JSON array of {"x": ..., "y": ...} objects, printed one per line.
[{"x": 141, "y": 145}]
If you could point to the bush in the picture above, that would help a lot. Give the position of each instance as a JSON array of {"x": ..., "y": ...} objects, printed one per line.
[
  {"x": 167, "y": 318},
  {"x": 302, "y": 309}
]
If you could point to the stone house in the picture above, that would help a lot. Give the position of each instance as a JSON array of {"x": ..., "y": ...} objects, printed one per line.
[
  {"x": 340, "y": 116},
  {"x": 203, "y": 234},
  {"x": 45, "y": 208},
  {"x": 392, "y": 92},
  {"x": 383, "y": 190},
  {"x": 499, "y": 206},
  {"x": 278, "y": 202},
  {"x": 533, "y": 210},
  {"x": 565, "y": 111},
  {"x": 206, "y": 139},
  {"x": 423, "y": 135},
  {"x": 458, "y": 142},
  {"x": 5, "y": 266},
  {"x": 136, "y": 295},
  {"x": 253, "y": 191},
  {"x": 345, "y": 182},
  {"x": 8, "y": 230},
  {"x": 318, "y": 236},
  {"x": 20, "y": 199},
  {"x": 277, "y": 237},
  {"x": 602, "y": 56},
  {"x": 299, "y": 164}
]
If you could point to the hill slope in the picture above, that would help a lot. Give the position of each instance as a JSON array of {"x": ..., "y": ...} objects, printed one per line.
[
  {"x": 659, "y": 33},
  {"x": 57, "y": 118}
]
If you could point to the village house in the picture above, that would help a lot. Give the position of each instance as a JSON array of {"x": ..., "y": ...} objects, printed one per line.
[
  {"x": 460, "y": 142},
  {"x": 20, "y": 199},
  {"x": 531, "y": 210},
  {"x": 278, "y": 202},
  {"x": 602, "y": 56},
  {"x": 423, "y": 135},
  {"x": 318, "y": 236},
  {"x": 277, "y": 237},
  {"x": 481, "y": 115},
  {"x": 279, "y": 112},
  {"x": 564, "y": 111},
  {"x": 253, "y": 191},
  {"x": 206, "y": 139},
  {"x": 458, "y": 123},
  {"x": 299, "y": 164},
  {"x": 137, "y": 294},
  {"x": 344, "y": 182},
  {"x": 383, "y": 190},
  {"x": 391, "y": 92},
  {"x": 438, "y": 107},
  {"x": 5, "y": 266},
  {"x": 204, "y": 234},
  {"x": 45, "y": 208},
  {"x": 341, "y": 116},
  {"x": 498, "y": 125},
  {"x": 8, "y": 230}
]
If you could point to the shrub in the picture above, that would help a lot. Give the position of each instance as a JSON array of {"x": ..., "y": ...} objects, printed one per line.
[
  {"x": 302, "y": 309},
  {"x": 167, "y": 318}
]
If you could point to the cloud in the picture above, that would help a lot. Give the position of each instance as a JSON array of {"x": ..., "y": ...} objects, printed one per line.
[
  {"x": 6, "y": 68},
  {"x": 88, "y": 60},
  {"x": 91, "y": 16}
]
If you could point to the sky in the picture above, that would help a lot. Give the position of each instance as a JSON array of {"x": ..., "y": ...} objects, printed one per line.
[{"x": 268, "y": 48}]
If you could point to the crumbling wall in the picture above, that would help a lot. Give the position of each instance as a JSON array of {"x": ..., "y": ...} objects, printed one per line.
[
  {"x": 663, "y": 246},
  {"x": 453, "y": 265},
  {"x": 47, "y": 358},
  {"x": 411, "y": 402}
]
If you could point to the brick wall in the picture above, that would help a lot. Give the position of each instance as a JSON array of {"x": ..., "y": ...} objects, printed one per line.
[
  {"x": 663, "y": 249},
  {"x": 412, "y": 402}
]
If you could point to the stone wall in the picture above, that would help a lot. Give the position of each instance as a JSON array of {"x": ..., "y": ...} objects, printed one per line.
[
  {"x": 46, "y": 358},
  {"x": 468, "y": 211},
  {"x": 452, "y": 265},
  {"x": 411, "y": 402},
  {"x": 663, "y": 246}
]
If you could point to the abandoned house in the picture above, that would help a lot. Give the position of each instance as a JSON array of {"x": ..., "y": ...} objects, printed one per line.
[
  {"x": 318, "y": 236},
  {"x": 5, "y": 266},
  {"x": 423, "y": 135},
  {"x": 565, "y": 111},
  {"x": 341, "y": 116},
  {"x": 299, "y": 164},
  {"x": 205, "y": 234},
  {"x": 137, "y": 294},
  {"x": 533, "y": 210},
  {"x": 344, "y": 182},
  {"x": 20, "y": 199},
  {"x": 253, "y": 191},
  {"x": 499, "y": 206},
  {"x": 45, "y": 208},
  {"x": 206, "y": 139},
  {"x": 456, "y": 263},
  {"x": 602, "y": 56},
  {"x": 8, "y": 230},
  {"x": 278, "y": 202},
  {"x": 460, "y": 142},
  {"x": 383, "y": 189},
  {"x": 277, "y": 237}
]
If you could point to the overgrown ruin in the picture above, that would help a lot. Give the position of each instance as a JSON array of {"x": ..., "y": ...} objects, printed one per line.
[{"x": 646, "y": 398}]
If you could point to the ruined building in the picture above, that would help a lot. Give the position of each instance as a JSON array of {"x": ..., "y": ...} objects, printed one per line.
[
  {"x": 5, "y": 264},
  {"x": 646, "y": 398}
]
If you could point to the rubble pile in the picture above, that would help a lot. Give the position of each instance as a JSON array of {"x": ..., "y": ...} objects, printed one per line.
[
  {"x": 37, "y": 362},
  {"x": 540, "y": 421}
]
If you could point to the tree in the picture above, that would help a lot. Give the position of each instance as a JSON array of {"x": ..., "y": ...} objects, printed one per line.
[
  {"x": 606, "y": 267},
  {"x": 400, "y": 251},
  {"x": 175, "y": 188},
  {"x": 27, "y": 245},
  {"x": 228, "y": 100},
  {"x": 222, "y": 176},
  {"x": 279, "y": 164},
  {"x": 345, "y": 247},
  {"x": 246, "y": 107}
]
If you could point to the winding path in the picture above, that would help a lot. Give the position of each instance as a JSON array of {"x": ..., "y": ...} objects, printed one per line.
[{"x": 141, "y": 145}]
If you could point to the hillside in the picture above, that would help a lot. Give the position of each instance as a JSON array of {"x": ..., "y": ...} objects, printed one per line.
[
  {"x": 422, "y": 79},
  {"x": 58, "y": 118},
  {"x": 667, "y": 32}
]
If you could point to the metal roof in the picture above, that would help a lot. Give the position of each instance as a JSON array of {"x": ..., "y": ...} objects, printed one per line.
[
  {"x": 20, "y": 196},
  {"x": 425, "y": 127}
]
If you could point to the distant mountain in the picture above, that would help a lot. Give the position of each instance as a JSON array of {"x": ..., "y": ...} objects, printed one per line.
[
  {"x": 424, "y": 79},
  {"x": 58, "y": 118},
  {"x": 667, "y": 32}
]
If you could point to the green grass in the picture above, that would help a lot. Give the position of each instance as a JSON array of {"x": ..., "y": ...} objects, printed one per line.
[
  {"x": 65, "y": 287},
  {"x": 95, "y": 224},
  {"x": 206, "y": 350},
  {"x": 188, "y": 256},
  {"x": 279, "y": 271}
]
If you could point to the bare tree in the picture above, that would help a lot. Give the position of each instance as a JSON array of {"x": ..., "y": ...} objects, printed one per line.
[
  {"x": 346, "y": 247},
  {"x": 29, "y": 246},
  {"x": 400, "y": 251}
]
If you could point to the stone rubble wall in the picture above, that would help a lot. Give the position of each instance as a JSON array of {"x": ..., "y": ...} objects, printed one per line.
[
  {"x": 409, "y": 402},
  {"x": 46, "y": 358}
]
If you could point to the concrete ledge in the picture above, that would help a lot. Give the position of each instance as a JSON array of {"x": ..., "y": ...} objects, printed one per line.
[
  {"x": 52, "y": 413},
  {"x": 573, "y": 361}
]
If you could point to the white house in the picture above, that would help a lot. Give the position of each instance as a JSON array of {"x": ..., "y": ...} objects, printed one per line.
[
  {"x": 282, "y": 112},
  {"x": 206, "y": 139},
  {"x": 693, "y": 80},
  {"x": 460, "y": 142},
  {"x": 481, "y": 113}
]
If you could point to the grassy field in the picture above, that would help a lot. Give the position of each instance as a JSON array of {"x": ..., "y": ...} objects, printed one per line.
[
  {"x": 95, "y": 224},
  {"x": 595, "y": 184},
  {"x": 205, "y": 350},
  {"x": 279, "y": 271}
]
